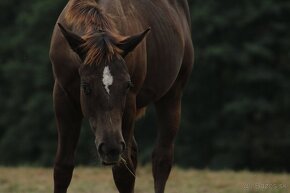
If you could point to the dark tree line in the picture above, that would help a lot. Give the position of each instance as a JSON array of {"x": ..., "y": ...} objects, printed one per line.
[{"x": 236, "y": 106}]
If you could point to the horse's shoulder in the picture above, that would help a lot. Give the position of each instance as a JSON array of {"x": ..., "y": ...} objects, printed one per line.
[{"x": 185, "y": 8}]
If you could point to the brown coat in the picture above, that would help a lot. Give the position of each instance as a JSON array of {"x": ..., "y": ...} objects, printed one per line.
[{"x": 93, "y": 35}]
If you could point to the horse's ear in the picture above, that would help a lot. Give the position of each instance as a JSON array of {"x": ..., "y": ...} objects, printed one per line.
[
  {"x": 128, "y": 44},
  {"x": 73, "y": 40}
]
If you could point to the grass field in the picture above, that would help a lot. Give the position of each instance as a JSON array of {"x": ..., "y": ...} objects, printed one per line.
[{"x": 99, "y": 180}]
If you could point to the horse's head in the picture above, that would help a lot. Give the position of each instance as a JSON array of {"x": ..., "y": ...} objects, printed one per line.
[{"x": 105, "y": 83}]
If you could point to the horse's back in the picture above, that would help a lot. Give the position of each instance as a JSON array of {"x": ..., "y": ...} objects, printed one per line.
[{"x": 169, "y": 47}]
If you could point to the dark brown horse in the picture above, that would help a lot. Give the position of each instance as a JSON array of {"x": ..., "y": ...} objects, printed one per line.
[{"x": 108, "y": 68}]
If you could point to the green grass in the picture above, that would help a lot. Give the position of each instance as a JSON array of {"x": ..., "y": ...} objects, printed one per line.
[{"x": 99, "y": 180}]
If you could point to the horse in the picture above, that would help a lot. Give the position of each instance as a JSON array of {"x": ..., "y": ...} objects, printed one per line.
[{"x": 110, "y": 60}]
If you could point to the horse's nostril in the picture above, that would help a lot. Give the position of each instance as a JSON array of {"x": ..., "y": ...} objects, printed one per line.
[
  {"x": 101, "y": 148},
  {"x": 123, "y": 146}
]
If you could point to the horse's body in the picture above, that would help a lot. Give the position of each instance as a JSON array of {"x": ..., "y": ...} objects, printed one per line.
[{"x": 159, "y": 68}]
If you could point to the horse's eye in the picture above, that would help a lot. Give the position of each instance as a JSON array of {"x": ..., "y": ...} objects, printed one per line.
[
  {"x": 86, "y": 88},
  {"x": 130, "y": 85}
]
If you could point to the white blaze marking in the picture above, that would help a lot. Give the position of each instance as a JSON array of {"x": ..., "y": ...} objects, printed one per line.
[{"x": 107, "y": 79}]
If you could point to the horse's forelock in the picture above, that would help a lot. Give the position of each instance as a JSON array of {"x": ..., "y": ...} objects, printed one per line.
[{"x": 99, "y": 48}]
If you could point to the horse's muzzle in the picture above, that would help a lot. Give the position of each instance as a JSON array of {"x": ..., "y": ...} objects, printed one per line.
[{"x": 110, "y": 154}]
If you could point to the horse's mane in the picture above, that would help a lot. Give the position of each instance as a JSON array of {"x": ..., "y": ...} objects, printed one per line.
[
  {"x": 88, "y": 13},
  {"x": 97, "y": 26}
]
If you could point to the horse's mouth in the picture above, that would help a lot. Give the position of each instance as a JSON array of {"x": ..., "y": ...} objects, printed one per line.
[
  {"x": 110, "y": 160},
  {"x": 109, "y": 163}
]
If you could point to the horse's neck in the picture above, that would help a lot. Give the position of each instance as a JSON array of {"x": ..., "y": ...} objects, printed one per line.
[{"x": 121, "y": 11}]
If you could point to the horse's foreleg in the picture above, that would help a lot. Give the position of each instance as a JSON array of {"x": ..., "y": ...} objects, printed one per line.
[
  {"x": 124, "y": 172},
  {"x": 168, "y": 111},
  {"x": 68, "y": 118}
]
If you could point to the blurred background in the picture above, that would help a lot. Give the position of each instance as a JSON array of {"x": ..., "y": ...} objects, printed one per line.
[{"x": 236, "y": 106}]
